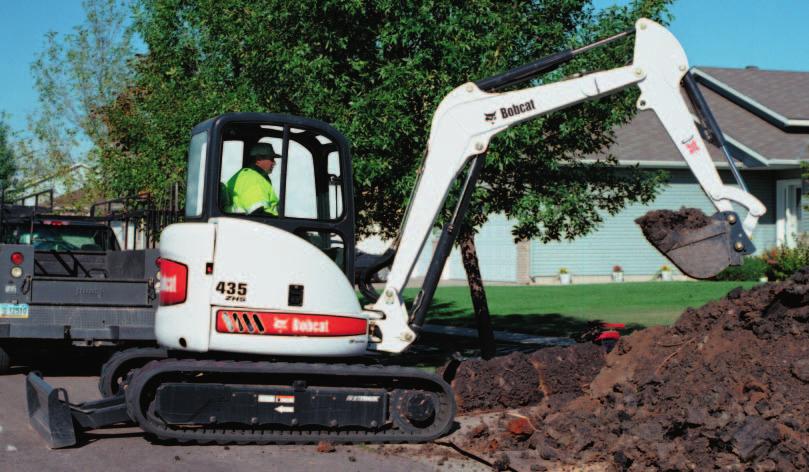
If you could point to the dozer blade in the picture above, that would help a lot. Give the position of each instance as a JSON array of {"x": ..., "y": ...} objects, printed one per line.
[
  {"x": 704, "y": 252},
  {"x": 48, "y": 414}
]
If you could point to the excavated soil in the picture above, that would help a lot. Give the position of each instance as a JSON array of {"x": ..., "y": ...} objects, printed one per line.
[
  {"x": 658, "y": 224},
  {"x": 518, "y": 379},
  {"x": 725, "y": 387}
]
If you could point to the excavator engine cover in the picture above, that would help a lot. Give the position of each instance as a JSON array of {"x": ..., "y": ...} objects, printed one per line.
[{"x": 704, "y": 252}]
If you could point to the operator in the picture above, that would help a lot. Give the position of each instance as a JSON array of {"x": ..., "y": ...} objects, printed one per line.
[{"x": 250, "y": 189}]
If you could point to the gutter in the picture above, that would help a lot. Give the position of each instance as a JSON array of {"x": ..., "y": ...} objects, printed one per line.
[
  {"x": 755, "y": 107},
  {"x": 772, "y": 165}
]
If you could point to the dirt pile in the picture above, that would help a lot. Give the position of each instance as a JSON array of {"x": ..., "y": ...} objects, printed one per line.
[
  {"x": 559, "y": 374},
  {"x": 727, "y": 386},
  {"x": 658, "y": 224}
]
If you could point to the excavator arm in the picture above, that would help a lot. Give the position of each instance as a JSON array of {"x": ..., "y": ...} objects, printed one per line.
[{"x": 472, "y": 114}]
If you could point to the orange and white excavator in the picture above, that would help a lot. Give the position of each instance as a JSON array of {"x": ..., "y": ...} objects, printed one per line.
[{"x": 266, "y": 340}]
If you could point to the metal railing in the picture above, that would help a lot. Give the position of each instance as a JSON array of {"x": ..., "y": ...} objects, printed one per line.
[
  {"x": 140, "y": 219},
  {"x": 21, "y": 210},
  {"x": 137, "y": 219}
]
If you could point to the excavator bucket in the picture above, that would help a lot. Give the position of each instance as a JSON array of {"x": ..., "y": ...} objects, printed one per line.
[
  {"x": 699, "y": 246},
  {"x": 48, "y": 414}
]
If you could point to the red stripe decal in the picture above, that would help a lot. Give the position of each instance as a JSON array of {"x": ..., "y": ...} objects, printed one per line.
[{"x": 289, "y": 324}]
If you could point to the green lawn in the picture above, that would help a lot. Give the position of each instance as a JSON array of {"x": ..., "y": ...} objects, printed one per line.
[{"x": 565, "y": 310}]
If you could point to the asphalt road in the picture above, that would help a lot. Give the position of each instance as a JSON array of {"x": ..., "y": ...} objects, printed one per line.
[{"x": 126, "y": 449}]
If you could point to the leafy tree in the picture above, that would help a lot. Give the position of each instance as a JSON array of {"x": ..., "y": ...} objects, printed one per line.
[
  {"x": 377, "y": 70},
  {"x": 75, "y": 76},
  {"x": 7, "y": 155}
]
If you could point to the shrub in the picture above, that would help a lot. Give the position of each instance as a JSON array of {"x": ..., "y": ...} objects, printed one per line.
[
  {"x": 753, "y": 268},
  {"x": 784, "y": 261}
]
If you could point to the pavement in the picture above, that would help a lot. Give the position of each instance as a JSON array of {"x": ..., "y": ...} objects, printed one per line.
[{"x": 126, "y": 448}]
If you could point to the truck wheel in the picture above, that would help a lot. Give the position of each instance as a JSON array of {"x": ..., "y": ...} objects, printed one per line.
[{"x": 5, "y": 361}]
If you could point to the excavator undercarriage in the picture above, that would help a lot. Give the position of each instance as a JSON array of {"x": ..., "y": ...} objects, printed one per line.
[{"x": 209, "y": 401}]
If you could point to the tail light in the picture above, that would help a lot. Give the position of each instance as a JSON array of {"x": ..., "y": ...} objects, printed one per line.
[
  {"x": 173, "y": 282},
  {"x": 17, "y": 258}
]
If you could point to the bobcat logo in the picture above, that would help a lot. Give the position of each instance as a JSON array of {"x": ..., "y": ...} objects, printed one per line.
[
  {"x": 491, "y": 117},
  {"x": 691, "y": 144}
]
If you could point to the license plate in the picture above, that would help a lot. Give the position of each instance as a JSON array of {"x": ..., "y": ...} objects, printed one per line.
[{"x": 10, "y": 310}]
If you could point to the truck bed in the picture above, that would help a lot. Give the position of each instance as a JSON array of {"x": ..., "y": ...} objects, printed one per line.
[{"x": 81, "y": 296}]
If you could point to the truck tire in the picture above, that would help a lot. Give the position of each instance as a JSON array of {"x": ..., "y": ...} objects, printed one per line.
[{"x": 5, "y": 361}]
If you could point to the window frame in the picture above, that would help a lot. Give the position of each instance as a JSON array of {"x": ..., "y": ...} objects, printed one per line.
[{"x": 343, "y": 226}]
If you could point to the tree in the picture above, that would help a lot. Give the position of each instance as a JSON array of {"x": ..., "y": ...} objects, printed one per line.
[
  {"x": 8, "y": 160},
  {"x": 377, "y": 70},
  {"x": 76, "y": 75}
]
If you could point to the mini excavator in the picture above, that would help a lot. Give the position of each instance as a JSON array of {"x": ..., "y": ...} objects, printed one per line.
[{"x": 265, "y": 339}]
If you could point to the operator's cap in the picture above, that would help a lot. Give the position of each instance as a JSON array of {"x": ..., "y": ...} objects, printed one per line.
[{"x": 263, "y": 150}]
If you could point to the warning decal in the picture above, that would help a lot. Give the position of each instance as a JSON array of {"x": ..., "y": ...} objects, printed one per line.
[{"x": 276, "y": 398}]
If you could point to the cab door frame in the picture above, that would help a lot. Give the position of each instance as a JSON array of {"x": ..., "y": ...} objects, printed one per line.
[{"x": 342, "y": 227}]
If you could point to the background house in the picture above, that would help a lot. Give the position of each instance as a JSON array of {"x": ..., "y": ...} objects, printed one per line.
[
  {"x": 65, "y": 187},
  {"x": 764, "y": 116}
]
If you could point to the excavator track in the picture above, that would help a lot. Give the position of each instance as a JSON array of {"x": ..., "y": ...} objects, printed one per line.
[
  {"x": 114, "y": 371},
  {"x": 401, "y": 386}
]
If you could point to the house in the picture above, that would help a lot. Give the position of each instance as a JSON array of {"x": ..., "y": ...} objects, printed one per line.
[
  {"x": 764, "y": 116},
  {"x": 56, "y": 190}
]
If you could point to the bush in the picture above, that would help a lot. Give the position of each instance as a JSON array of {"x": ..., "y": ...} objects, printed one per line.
[
  {"x": 752, "y": 269},
  {"x": 782, "y": 262}
]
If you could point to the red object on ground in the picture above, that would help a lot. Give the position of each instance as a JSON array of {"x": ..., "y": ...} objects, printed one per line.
[
  {"x": 520, "y": 427},
  {"x": 613, "y": 335},
  {"x": 613, "y": 325}
]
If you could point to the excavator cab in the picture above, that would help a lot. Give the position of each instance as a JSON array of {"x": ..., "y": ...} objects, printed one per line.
[{"x": 311, "y": 178}]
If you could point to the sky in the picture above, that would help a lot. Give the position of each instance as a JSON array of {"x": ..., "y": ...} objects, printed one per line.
[{"x": 770, "y": 34}]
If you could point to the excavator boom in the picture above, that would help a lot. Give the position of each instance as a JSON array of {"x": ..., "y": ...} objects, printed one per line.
[{"x": 470, "y": 116}]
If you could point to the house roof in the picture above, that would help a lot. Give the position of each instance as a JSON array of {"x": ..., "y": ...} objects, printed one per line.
[
  {"x": 760, "y": 114},
  {"x": 71, "y": 201},
  {"x": 781, "y": 92}
]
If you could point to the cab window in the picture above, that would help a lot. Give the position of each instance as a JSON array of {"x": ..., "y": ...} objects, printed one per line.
[
  {"x": 195, "y": 187},
  {"x": 304, "y": 178}
]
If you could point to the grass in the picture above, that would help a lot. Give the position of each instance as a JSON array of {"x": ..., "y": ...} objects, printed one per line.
[{"x": 566, "y": 310}]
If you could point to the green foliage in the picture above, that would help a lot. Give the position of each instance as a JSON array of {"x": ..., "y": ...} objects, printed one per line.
[
  {"x": 377, "y": 70},
  {"x": 753, "y": 268},
  {"x": 76, "y": 75},
  {"x": 785, "y": 261},
  {"x": 8, "y": 162}
]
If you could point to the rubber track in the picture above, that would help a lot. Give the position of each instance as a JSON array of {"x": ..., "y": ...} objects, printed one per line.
[
  {"x": 107, "y": 381},
  {"x": 139, "y": 379}
]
